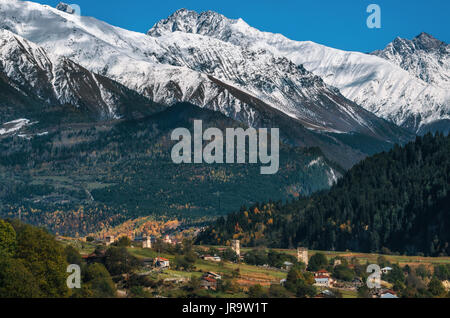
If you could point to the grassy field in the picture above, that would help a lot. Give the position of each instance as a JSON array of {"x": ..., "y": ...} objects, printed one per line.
[
  {"x": 363, "y": 258},
  {"x": 248, "y": 274},
  {"x": 402, "y": 260},
  {"x": 148, "y": 253},
  {"x": 370, "y": 258}
]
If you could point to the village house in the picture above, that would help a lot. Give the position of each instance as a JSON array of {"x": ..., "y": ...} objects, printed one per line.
[
  {"x": 161, "y": 262},
  {"x": 211, "y": 258},
  {"x": 208, "y": 283},
  {"x": 322, "y": 272},
  {"x": 94, "y": 257},
  {"x": 143, "y": 241},
  {"x": 337, "y": 262},
  {"x": 146, "y": 242},
  {"x": 167, "y": 239},
  {"x": 322, "y": 278},
  {"x": 209, "y": 280},
  {"x": 287, "y": 265},
  {"x": 323, "y": 281},
  {"x": 213, "y": 275},
  {"x": 176, "y": 280}
]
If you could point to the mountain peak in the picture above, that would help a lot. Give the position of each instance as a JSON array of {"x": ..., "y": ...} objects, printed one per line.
[
  {"x": 424, "y": 35},
  {"x": 64, "y": 7},
  {"x": 189, "y": 21},
  {"x": 424, "y": 57},
  {"x": 182, "y": 13},
  {"x": 426, "y": 41}
]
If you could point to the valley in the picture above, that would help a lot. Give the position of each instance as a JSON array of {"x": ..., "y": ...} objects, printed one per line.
[{"x": 241, "y": 279}]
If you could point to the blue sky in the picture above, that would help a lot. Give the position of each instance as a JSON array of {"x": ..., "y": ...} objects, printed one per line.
[{"x": 336, "y": 23}]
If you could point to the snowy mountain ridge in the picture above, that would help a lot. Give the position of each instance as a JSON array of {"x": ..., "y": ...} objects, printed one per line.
[
  {"x": 378, "y": 85},
  {"x": 425, "y": 57},
  {"x": 31, "y": 67},
  {"x": 188, "y": 67},
  {"x": 37, "y": 83}
]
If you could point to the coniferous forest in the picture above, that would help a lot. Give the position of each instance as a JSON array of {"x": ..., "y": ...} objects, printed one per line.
[{"x": 396, "y": 201}]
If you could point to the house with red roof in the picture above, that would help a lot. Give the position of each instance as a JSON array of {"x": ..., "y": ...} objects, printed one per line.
[
  {"x": 208, "y": 283},
  {"x": 161, "y": 262},
  {"x": 322, "y": 272},
  {"x": 322, "y": 278}
]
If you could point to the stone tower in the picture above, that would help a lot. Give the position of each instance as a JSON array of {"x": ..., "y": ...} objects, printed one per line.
[
  {"x": 109, "y": 240},
  {"x": 146, "y": 242},
  {"x": 302, "y": 255},
  {"x": 236, "y": 247}
]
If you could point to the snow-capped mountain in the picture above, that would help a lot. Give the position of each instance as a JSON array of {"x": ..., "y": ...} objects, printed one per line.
[
  {"x": 127, "y": 57},
  {"x": 252, "y": 85},
  {"x": 428, "y": 59},
  {"x": 424, "y": 57},
  {"x": 190, "y": 67},
  {"x": 56, "y": 80},
  {"x": 378, "y": 85}
]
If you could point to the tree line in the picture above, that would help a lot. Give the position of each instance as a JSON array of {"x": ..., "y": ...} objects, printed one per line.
[{"x": 392, "y": 202}]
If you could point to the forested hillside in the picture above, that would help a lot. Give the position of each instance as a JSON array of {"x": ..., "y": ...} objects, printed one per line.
[
  {"x": 32, "y": 263},
  {"x": 397, "y": 201},
  {"x": 83, "y": 178}
]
